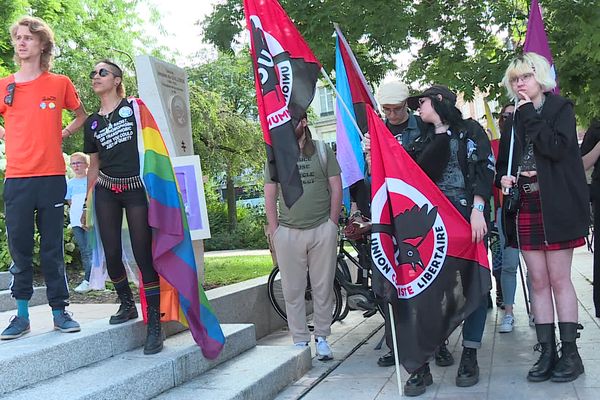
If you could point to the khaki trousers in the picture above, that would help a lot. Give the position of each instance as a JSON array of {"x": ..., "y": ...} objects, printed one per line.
[{"x": 299, "y": 250}]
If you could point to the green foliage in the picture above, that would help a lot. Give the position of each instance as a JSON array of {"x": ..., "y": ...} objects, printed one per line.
[
  {"x": 464, "y": 44},
  {"x": 249, "y": 232},
  {"x": 225, "y": 131}
]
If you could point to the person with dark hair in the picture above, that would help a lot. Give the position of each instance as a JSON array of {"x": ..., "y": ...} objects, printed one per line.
[
  {"x": 304, "y": 237},
  {"x": 406, "y": 127},
  {"x": 111, "y": 140},
  {"x": 553, "y": 213},
  {"x": 590, "y": 150},
  {"x": 456, "y": 155},
  {"x": 35, "y": 185}
]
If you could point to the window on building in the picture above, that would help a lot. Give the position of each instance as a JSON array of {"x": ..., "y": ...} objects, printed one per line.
[{"x": 325, "y": 101}]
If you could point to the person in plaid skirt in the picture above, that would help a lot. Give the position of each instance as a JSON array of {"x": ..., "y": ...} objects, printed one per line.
[{"x": 553, "y": 214}]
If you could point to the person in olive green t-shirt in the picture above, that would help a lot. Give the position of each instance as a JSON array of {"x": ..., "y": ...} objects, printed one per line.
[{"x": 304, "y": 237}]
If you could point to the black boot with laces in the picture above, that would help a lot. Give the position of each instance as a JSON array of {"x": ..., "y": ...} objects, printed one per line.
[
  {"x": 468, "y": 370},
  {"x": 154, "y": 336},
  {"x": 127, "y": 309},
  {"x": 542, "y": 369}
]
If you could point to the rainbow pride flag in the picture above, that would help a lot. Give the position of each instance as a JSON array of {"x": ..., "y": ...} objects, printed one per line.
[{"x": 182, "y": 296}]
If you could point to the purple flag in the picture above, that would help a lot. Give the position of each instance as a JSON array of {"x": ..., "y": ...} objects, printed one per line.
[{"x": 536, "y": 40}]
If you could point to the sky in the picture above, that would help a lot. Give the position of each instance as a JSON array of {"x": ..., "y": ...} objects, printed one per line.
[{"x": 179, "y": 18}]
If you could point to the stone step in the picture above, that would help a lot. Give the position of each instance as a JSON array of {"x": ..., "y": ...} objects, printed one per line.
[
  {"x": 259, "y": 373},
  {"x": 133, "y": 375},
  {"x": 5, "y": 278},
  {"x": 8, "y": 303},
  {"x": 31, "y": 359}
]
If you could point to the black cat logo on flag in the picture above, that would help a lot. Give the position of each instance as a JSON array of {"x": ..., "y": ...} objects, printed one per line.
[
  {"x": 285, "y": 73},
  {"x": 411, "y": 258},
  {"x": 426, "y": 264}
]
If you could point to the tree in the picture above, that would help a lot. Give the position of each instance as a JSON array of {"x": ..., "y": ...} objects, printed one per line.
[
  {"x": 465, "y": 44},
  {"x": 226, "y": 133}
]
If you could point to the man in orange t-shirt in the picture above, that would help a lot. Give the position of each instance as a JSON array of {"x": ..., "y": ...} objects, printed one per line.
[{"x": 35, "y": 185}]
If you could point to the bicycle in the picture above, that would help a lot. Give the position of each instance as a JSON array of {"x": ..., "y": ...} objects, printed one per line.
[
  {"x": 275, "y": 292},
  {"x": 347, "y": 295},
  {"x": 359, "y": 295}
]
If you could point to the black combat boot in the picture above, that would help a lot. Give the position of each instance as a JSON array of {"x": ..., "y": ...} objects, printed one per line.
[
  {"x": 542, "y": 369},
  {"x": 154, "y": 336},
  {"x": 443, "y": 357},
  {"x": 127, "y": 309},
  {"x": 569, "y": 366},
  {"x": 468, "y": 370},
  {"x": 418, "y": 381}
]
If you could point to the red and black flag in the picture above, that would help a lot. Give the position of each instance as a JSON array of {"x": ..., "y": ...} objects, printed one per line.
[
  {"x": 433, "y": 275},
  {"x": 285, "y": 72}
]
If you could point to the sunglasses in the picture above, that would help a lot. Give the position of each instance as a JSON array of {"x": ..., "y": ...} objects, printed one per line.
[
  {"x": 9, "y": 98},
  {"x": 103, "y": 72},
  {"x": 506, "y": 115}
]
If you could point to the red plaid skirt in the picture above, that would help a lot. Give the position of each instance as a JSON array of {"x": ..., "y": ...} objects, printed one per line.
[{"x": 530, "y": 223}]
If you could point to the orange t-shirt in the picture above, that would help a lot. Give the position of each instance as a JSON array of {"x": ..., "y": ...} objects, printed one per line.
[{"x": 33, "y": 124}]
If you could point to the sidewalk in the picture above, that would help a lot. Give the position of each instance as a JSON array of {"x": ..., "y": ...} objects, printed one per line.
[{"x": 503, "y": 360}]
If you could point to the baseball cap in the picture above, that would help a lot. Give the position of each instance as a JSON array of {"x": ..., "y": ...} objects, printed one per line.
[
  {"x": 393, "y": 92},
  {"x": 447, "y": 94}
]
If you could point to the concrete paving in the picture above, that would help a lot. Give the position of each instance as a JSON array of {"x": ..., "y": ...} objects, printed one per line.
[{"x": 504, "y": 359}]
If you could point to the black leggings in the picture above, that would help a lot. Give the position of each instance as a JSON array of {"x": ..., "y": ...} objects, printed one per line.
[{"x": 109, "y": 214}]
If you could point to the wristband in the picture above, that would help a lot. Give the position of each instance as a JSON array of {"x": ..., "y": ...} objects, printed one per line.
[{"x": 69, "y": 133}]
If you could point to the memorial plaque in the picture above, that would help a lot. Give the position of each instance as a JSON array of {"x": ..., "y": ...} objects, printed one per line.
[{"x": 164, "y": 89}]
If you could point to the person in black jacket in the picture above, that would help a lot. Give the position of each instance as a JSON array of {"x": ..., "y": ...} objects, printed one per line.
[
  {"x": 553, "y": 214},
  {"x": 590, "y": 150},
  {"x": 456, "y": 154}
]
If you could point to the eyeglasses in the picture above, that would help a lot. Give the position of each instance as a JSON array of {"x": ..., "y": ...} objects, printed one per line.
[
  {"x": 76, "y": 163},
  {"x": 525, "y": 78},
  {"x": 395, "y": 110},
  {"x": 8, "y": 99},
  {"x": 102, "y": 72}
]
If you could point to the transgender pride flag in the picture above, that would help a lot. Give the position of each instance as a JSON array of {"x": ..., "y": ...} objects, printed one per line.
[
  {"x": 536, "y": 40},
  {"x": 353, "y": 92}
]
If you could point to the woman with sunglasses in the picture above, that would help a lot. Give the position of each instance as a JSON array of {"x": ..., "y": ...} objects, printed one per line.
[
  {"x": 111, "y": 140},
  {"x": 553, "y": 215},
  {"x": 456, "y": 155}
]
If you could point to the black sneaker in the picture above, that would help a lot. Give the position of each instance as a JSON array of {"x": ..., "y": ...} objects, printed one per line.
[
  {"x": 17, "y": 327},
  {"x": 417, "y": 384},
  {"x": 468, "y": 370},
  {"x": 386, "y": 360},
  {"x": 443, "y": 357}
]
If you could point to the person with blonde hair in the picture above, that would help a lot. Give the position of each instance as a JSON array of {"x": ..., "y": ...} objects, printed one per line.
[
  {"x": 35, "y": 185},
  {"x": 553, "y": 207},
  {"x": 76, "y": 194}
]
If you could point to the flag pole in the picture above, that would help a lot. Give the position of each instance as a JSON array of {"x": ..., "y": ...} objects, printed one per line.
[
  {"x": 394, "y": 341},
  {"x": 338, "y": 97}
]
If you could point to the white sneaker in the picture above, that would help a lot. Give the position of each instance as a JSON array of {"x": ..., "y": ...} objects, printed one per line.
[
  {"x": 507, "y": 324},
  {"x": 83, "y": 287},
  {"x": 324, "y": 352},
  {"x": 301, "y": 344}
]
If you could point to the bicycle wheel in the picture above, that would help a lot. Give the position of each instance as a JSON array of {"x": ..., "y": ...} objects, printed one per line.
[
  {"x": 277, "y": 300},
  {"x": 276, "y": 293}
]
